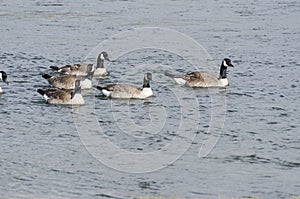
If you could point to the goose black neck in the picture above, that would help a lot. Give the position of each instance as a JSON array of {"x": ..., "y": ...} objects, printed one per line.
[
  {"x": 146, "y": 83},
  {"x": 100, "y": 62},
  {"x": 77, "y": 90},
  {"x": 223, "y": 72},
  {"x": 89, "y": 75}
]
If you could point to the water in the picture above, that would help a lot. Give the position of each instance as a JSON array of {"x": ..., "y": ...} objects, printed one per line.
[{"x": 257, "y": 154}]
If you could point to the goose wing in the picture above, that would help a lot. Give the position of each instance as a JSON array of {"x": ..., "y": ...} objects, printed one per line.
[
  {"x": 126, "y": 88},
  {"x": 200, "y": 79},
  {"x": 120, "y": 90},
  {"x": 64, "y": 82},
  {"x": 74, "y": 69},
  {"x": 125, "y": 91},
  {"x": 58, "y": 94}
]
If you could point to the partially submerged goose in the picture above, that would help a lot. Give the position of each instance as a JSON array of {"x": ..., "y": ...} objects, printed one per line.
[
  {"x": 61, "y": 96},
  {"x": 80, "y": 69},
  {"x": 204, "y": 79},
  {"x": 3, "y": 77},
  {"x": 68, "y": 81},
  {"x": 128, "y": 91}
]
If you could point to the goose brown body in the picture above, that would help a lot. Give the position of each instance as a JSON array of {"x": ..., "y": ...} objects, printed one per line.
[
  {"x": 62, "y": 96},
  {"x": 81, "y": 68},
  {"x": 128, "y": 91},
  {"x": 203, "y": 79},
  {"x": 68, "y": 81}
]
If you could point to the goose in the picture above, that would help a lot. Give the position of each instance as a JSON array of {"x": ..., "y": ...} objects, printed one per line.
[
  {"x": 68, "y": 81},
  {"x": 80, "y": 69},
  {"x": 128, "y": 91},
  {"x": 61, "y": 96},
  {"x": 3, "y": 77},
  {"x": 203, "y": 79}
]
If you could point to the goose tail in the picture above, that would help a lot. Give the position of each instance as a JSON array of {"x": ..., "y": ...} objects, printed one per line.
[
  {"x": 46, "y": 76},
  {"x": 54, "y": 68},
  {"x": 168, "y": 74},
  {"x": 41, "y": 92},
  {"x": 99, "y": 87},
  {"x": 179, "y": 79}
]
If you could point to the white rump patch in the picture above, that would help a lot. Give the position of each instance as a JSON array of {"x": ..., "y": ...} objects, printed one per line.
[
  {"x": 180, "y": 81},
  {"x": 106, "y": 92},
  {"x": 46, "y": 97}
]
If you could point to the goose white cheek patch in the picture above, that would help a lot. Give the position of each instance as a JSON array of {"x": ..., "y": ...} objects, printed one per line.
[
  {"x": 102, "y": 57},
  {"x": 225, "y": 64}
]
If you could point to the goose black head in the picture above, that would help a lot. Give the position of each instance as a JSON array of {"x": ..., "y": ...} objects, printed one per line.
[
  {"x": 90, "y": 72},
  {"x": 104, "y": 56},
  {"x": 227, "y": 62},
  {"x": 223, "y": 70},
  {"x": 77, "y": 89},
  {"x": 147, "y": 79},
  {"x": 100, "y": 60},
  {"x": 3, "y": 76}
]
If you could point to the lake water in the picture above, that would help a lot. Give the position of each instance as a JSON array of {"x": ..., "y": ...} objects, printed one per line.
[{"x": 253, "y": 149}]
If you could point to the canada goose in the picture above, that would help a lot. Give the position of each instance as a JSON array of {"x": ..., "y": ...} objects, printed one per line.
[
  {"x": 80, "y": 69},
  {"x": 204, "y": 79},
  {"x": 3, "y": 77},
  {"x": 61, "y": 96},
  {"x": 128, "y": 91},
  {"x": 68, "y": 81}
]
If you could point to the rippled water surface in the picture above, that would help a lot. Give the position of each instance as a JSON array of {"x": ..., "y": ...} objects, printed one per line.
[{"x": 257, "y": 153}]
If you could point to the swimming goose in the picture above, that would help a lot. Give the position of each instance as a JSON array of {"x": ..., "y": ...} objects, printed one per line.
[
  {"x": 68, "y": 81},
  {"x": 61, "y": 96},
  {"x": 127, "y": 91},
  {"x": 3, "y": 77},
  {"x": 80, "y": 69},
  {"x": 204, "y": 79}
]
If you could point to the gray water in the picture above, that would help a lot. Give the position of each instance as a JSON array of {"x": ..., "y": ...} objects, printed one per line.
[{"x": 257, "y": 153}]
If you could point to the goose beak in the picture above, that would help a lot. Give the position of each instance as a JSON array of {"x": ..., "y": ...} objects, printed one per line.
[{"x": 231, "y": 65}]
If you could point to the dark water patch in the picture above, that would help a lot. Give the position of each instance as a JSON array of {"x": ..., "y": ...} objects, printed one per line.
[
  {"x": 22, "y": 179},
  {"x": 246, "y": 94},
  {"x": 64, "y": 135},
  {"x": 278, "y": 108},
  {"x": 49, "y": 4},
  {"x": 251, "y": 132},
  {"x": 102, "y": 195},
  {"x": 288, "y": 164},
  {"x": 152, "y": 185},
  {"x": 273, "y": 122},
  {"x": 252, "y": 159},
  {"x": 203, "y": 194},
  {"x": 61, "y": 171}
]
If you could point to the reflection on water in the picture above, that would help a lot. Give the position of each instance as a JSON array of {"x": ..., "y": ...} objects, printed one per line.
[{"x": 256, "y": 153}]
